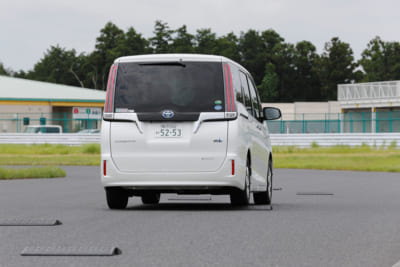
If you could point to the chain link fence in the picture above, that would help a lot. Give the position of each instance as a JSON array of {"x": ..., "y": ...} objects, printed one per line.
[
  {"x": 349, "y": 122},
  {"x": 19, "y": 122}
]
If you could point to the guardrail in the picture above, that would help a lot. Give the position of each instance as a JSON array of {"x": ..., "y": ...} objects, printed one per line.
[
  {"x": 348, "y": 139},
  {"x": 66, "y": 139},
  {"x": 299, "y": 140}
]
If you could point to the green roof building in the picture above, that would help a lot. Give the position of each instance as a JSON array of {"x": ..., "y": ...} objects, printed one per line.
[{"x": 26, "y": 102}]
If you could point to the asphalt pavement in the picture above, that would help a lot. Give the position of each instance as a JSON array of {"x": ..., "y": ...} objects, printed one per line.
[{"x": 319, "y": 218}]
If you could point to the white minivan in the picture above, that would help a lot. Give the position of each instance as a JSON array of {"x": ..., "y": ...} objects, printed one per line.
[{"x": 185, "y": 124}]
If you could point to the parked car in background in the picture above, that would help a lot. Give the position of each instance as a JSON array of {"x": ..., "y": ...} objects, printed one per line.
[
  {"x": 89, "y": 131},
  {"x": 43, "y": 129}
]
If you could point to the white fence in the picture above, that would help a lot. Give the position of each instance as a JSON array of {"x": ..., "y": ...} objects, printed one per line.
[
  {"x": 300, "y": 140},
  {"x": 348, "y": 139},
  {"x": 67, "y": 139}
]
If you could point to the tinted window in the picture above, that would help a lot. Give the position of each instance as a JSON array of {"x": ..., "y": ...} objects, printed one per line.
[
  {"x": 52, "y": 130},
  {"x": 245, "y": 88},
  {"x": 254, "y": 99},
  {"x": 187, "y": 87}
]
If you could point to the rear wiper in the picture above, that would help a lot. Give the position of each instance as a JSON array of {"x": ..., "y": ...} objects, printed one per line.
[{"x": 171, "y": 63}]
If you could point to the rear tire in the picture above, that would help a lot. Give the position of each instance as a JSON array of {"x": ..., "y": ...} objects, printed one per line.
[
  {"x": 151, "y": 198},
  {"x": 242, "y": 197},
  {"x": 264, "y": 198},
  {"x": 117, "y": 198}
]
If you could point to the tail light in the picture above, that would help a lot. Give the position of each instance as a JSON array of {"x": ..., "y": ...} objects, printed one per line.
[
  {"x": 109, "y": 104},
  {"x": 230, "y": 108},
  {"x": 104, "y": 167},
  {"x": 233, "y": 167}
]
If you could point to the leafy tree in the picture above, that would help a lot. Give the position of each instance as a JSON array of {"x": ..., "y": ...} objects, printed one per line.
[
  {"x": 109, "y": 38},
  {"x": 183, "y": 42},
  {"x": 307, "y": 83},
  {"x": 336, "y": 66},
  {"x": 20, "y": 74},
  {"x": 283, "y": 71},
  {"x": 285, "y": 68},
  {"x": 253, "y": 54},
  {"x": 57, "y": 66},
  {"x": 205, "y": 42},
  {"x": 81, "y": 69},
  {"x": 132, "y": 43},
  {"x": 228, "y": 46},
  {"x": 259, "y": 49},
  {"x": 3, "y": 70},
  {"x": 100, "y": 60},
  {"x": 269, "y": 85},
  {"x": 162, "y": 37},
  {"x": 381, "y": 61}
]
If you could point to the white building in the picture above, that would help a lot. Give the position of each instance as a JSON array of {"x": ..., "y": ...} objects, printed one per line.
[
  {"x": 377, "y": 102},
  {"x": 24, "y": 100}
]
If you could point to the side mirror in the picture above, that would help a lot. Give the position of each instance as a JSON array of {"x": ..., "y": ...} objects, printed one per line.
[{"x": 271, "y": 113}]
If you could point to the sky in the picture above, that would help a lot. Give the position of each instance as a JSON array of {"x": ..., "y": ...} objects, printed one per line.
[{"x": 29, "y": 27}]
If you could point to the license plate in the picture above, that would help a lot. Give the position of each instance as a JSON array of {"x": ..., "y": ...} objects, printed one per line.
[{"x": 169, "y": 132}]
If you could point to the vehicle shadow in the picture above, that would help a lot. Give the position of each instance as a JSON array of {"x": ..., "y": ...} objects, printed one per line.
[{"x": 198, "y": 207}]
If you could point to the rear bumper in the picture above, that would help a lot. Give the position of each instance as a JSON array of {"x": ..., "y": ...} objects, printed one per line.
[{"x": 208, "y": 182}]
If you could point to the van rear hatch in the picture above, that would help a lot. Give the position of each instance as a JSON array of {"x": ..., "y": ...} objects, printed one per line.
[{"x": 168, "y": 116}]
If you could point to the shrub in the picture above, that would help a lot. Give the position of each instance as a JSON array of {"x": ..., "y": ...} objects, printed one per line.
[
  {"x": 91, "y": 148},
  {"x": 314, "y": 144}
]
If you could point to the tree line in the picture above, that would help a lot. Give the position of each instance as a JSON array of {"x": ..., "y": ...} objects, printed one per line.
[{"x": 284, "y": 72}]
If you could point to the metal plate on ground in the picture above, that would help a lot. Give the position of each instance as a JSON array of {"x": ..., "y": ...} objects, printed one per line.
[
  {"x": 190, "y": 198},
  {"x": 259, "y": 207},
  {"x": 70, "y": 251},
  {"x": 29, "y": 222},
  {"x": 314, "y": 194}
]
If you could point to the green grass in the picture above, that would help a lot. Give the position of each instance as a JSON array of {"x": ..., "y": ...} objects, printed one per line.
[
  {"x": 49, "y": 149},
  {"x": 362, "y": 158},
  {"x": 25, "y": 173},
  {"x": 48, "y": 154}
]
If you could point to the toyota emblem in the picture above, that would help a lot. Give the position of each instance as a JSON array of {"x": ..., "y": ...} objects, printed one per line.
[{"x": 167, "y": 114}]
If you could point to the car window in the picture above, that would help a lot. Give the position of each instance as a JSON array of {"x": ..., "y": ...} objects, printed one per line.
[
  {"x": 254, "y": 99},
  {"x": 183, "y": 87},
  {"x": 237, "y": 84},
  {"x": 30, "y": 130},
  {"x": 247, "y": 98},
  {"x": 52, "y": 130}
]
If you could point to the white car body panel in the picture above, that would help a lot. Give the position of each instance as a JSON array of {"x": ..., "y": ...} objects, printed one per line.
[{"x": 201, "y": 159}]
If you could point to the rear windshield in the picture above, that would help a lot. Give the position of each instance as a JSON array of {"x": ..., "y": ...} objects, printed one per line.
[{"x": 182, "y": 87}]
